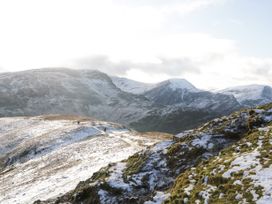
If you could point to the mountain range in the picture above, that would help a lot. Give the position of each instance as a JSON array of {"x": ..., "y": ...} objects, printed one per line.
[
  {"x": 170, "y": 106},
  {"x": 60, "y": 149}
]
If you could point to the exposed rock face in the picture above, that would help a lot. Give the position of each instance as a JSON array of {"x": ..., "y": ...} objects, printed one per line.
[{"x": 184, "y": 164}]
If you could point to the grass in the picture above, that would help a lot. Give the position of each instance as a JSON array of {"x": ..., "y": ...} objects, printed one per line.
[
  {"x": 134, "y": 164},
  {"x": 266, "y": 106},
  {"x": 67, "y": 117},
  {"x": 224, "y": 188}
]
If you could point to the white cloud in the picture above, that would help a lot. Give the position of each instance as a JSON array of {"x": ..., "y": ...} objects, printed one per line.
[{"x": 130, "y": 38}]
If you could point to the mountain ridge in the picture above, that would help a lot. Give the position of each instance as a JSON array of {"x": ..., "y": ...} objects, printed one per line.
[{"x": 93, "y": 93}]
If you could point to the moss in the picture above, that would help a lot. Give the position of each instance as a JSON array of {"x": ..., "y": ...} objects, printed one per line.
[
  {"x": 114, "y": 191},
  {"x": 266, "y": 106},
  {"x": 134, "y": 164},
  {"x": 174, "y": 149},
  {"x": 102, "y": 174},
  {"x": 213, "y": 169},
  {"x": 86, "y": 195},
  {"x": 217, "y": 180}
]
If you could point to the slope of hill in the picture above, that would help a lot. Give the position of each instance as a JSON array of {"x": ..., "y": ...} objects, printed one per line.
[
  {"x": 46, "y": 156},
  {"x": 242, "y": 173},
  {"x": 250, "y": 95},
  {"x": 225, "y": 159},
  {"x": 92, "y": 93},
  {"x": 181, "y": 92},
  {"x": 66, "y": 91},
  {"x": 131, "y": 86}
]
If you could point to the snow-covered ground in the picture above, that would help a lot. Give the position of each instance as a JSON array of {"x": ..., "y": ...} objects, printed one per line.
[{"x": 46, "y": 158}]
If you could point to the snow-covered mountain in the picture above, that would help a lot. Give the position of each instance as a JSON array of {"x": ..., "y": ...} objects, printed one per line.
[
  {"x": 180, "y": 91},
  {"x": 66, "y": 91},
  {"x": 250, "y": 95},
  {"x": 131, "y": 86},
  {"x": 176, "y": 84},
  {"x": 171, "y": 106},
  {"x": 46, "y": 156}
]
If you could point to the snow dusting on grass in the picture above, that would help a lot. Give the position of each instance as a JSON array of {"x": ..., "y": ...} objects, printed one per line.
[{"x": 50, "y": 157}]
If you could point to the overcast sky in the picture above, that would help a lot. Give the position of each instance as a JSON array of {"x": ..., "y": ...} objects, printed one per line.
[{"x": 212, "y": 43}]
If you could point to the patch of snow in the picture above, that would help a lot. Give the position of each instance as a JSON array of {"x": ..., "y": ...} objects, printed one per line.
[
  {"x": 132, "y": 86},
  {"x": 206, "y": 194},
  {"x": 202, "y": 141},
  {"x": 238, "y": 196},
  {"x": 159, "y": 198},
  {"x": 265, "y": 129},
  {"x": 162, "y": 146},
  {"x": 254, "y": 194},
  {"x": 181, "y": 84},
  {"x": 268, "y": 118},
  {"x": 184, "y": 133},
  {"x": 237, "y": 182},
  {"x": 243, "y": 162},
  {"x": 263, "y": 178},
  {"x": 188, "y": 189},
  {"x": 116, "y": 178}
]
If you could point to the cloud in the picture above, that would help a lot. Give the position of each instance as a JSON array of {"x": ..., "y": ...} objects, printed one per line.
[
  {"x": 167, "y": 66},
  {"x": 183, "y": 6},
  {"x": 212, "y": 71},
  {"x": 139, "y": 39}
]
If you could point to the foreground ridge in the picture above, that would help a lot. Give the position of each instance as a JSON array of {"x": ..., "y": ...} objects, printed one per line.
[{"x": 213, "y": 163}]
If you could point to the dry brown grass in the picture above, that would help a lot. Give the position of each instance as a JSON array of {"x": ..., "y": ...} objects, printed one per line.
[
  {"x": 157, "y": 135},
  {"x": 67, "y": 117}
]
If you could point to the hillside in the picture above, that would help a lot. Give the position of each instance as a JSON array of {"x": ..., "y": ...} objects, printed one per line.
[
  {"x": 95, "y": 94},
  {"x": 131, "y": 86},
  {"x": 241, "y": 173},
  {"x": 250, "y": 95},
  {"x": 199, "y": 166},
  {"x": 46, "y": 156},
  {"x": 67, "y": 91}
]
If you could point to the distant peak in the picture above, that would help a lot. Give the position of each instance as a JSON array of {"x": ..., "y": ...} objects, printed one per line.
[{"x": 176, "y": 83}]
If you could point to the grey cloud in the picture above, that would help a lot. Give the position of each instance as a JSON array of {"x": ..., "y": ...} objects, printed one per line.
[
  {"x": 256, "y": 72},
  {"x": 149, "y": 2},
  {"x": 169, "y": 66},
  {"x": 102, "y": 63},
  {"x": 263, "y": 71}
]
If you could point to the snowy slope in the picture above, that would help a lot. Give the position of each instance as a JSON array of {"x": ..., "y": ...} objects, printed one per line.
[
  {"x": 199, "y": 166},
  {"x": 67, "y": 91},
  {"x": 95, "y": 94},
  {"x": 180, "y": 92},
  {"x": 250, "y": 95},
  {"x": 131, "y": 86},
  {"x": 176, "y": 83},
  {"x": 46, "y": 156},
  {"x": 136, "y": 87},
  {"x": 242, "y": 173}
]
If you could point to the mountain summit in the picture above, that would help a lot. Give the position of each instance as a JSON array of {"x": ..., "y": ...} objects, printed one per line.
[{"x": 176, "y": 83}]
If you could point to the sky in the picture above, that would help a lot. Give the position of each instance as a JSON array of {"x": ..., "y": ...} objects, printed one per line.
[{"x": 214, "y": 44}]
